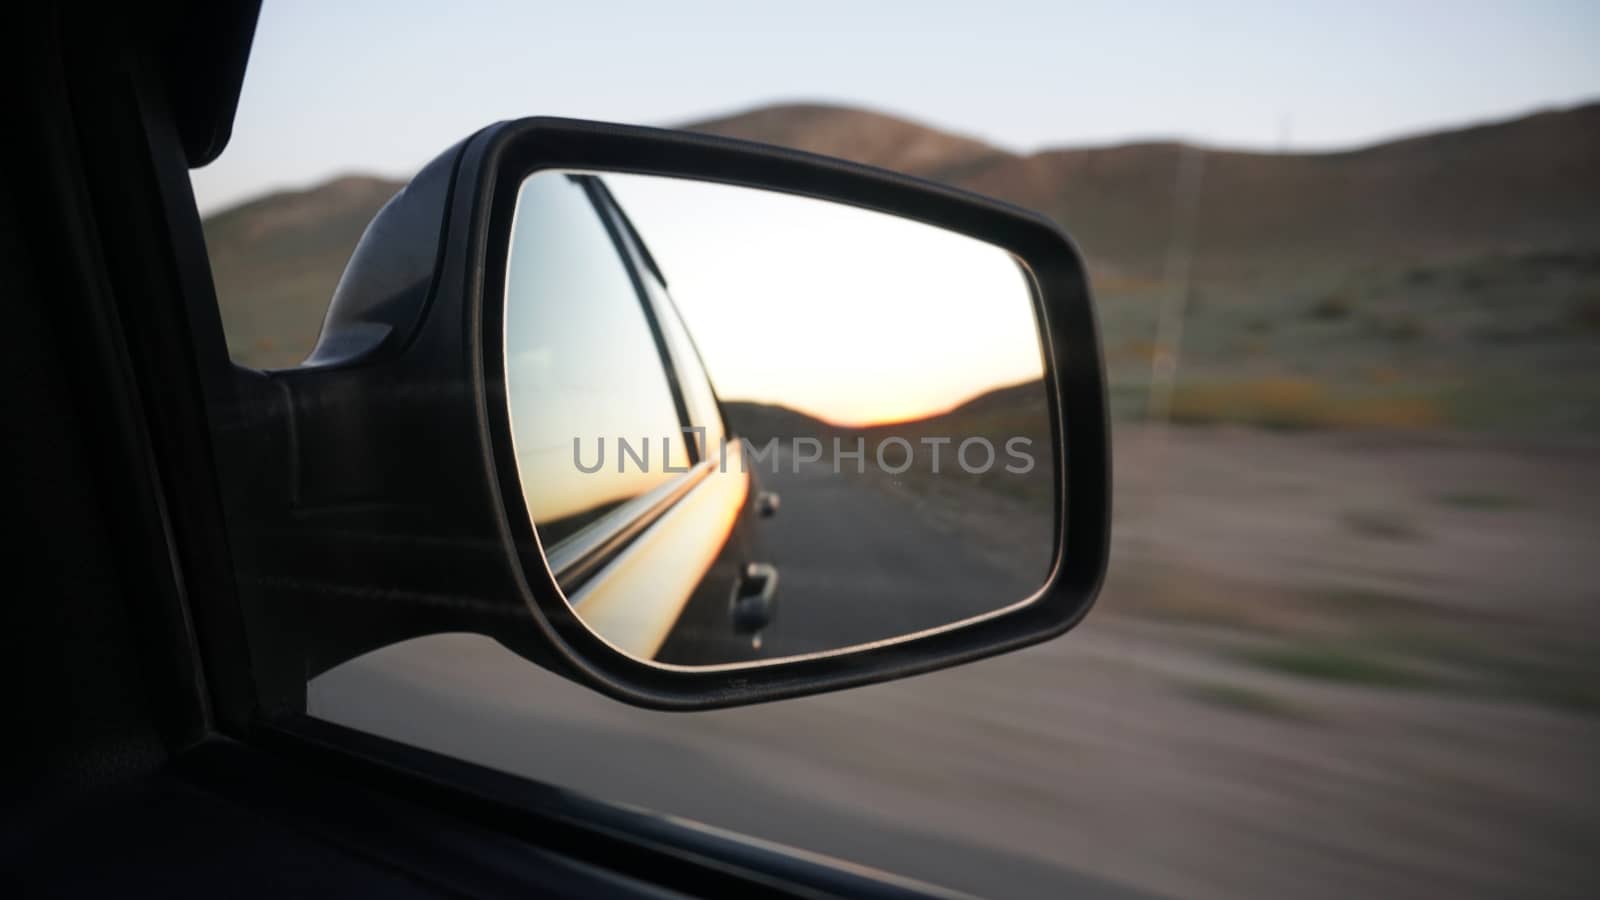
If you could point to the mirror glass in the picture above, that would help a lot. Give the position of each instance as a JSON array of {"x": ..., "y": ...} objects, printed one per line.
[{"x": 750, "y": 425}]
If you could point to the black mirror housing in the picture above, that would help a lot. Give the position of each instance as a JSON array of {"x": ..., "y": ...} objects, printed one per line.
[{"x": 387, "y": 506}]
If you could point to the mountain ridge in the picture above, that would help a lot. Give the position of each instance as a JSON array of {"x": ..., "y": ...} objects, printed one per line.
[{"x": 1518, "y": 185}]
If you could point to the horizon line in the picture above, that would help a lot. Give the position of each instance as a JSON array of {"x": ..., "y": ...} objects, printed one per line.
[
  {"x": 1552, "y": 108},
  {"x": 943, "y": 411}
]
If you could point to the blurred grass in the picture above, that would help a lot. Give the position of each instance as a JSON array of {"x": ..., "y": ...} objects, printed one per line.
[
  {"x": 1388, "y": 524},
  {"x": 1502, "y": 663},
  {"x": 1555, "y": 686},
  {"x": 1495, "y": 343},
  {"x": 1242, "y": 699},
  {"x": 1334, "y": 662},
  {"x": 1360, "y": 637}
]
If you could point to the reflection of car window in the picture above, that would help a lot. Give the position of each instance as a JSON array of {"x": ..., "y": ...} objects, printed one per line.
[
  {"x": 582, "y": 365},
  {"x": 697, "y": 392}
]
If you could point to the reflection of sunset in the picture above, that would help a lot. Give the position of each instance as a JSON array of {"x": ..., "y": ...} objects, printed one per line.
[
  {"x": 886, "y": 407},
  {"x": 851, "y": 316}
]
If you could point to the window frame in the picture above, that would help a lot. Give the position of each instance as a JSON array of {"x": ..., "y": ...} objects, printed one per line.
[
  {"x": 641, "y": 293},
  {"x": 664, "y": 304}
]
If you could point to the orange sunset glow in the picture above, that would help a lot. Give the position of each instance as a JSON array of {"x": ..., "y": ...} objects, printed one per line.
[{"x": 851, "y": 316}]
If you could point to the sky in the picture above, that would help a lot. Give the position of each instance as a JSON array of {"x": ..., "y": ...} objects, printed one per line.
[
  {"x": 382, "y": 87},
  {"x": 849, "y": 315}
]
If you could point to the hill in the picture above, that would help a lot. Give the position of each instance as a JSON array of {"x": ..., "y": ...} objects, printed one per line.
[
  {"x": 1503, "y": 187},
  {"x": 277, "y": 259},
  {"x": 1397, "y": 263},
  {"x": 862, "y": 136}
]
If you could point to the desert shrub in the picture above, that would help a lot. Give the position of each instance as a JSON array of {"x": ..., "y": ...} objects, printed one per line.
[
  {"x": 1403, "y": 328},
  {"x": 1138, "y": 350},
  {"x": 1336, "y": 663},
  {"x": 1586, "y": 312},
  {"x": 1332, "y": 308}
]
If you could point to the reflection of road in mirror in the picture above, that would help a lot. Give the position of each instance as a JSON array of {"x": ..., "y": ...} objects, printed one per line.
[
  {"x": 887, "y": 380},
  {"x": 861, "y": 562}
]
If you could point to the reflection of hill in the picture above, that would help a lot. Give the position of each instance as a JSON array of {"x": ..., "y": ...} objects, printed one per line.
[
  {"x": 760, "y": 422},
  {"x": 1019, "y": 408},
  {"x": 998, "y": 505}
]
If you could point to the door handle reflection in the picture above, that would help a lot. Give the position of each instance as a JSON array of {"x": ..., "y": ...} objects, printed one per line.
[
  {"x": 767, "y": 504},
  {"x": 755, "y": 600}
]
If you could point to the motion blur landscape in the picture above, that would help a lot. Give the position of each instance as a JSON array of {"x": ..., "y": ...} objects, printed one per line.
[{"x": 1346, "y": 646}]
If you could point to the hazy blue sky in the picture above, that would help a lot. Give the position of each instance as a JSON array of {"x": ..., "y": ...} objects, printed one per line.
[{"x": 381, "y": 87}]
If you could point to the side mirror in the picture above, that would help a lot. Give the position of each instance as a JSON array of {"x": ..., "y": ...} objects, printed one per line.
[{"x": 512, "y": 425}]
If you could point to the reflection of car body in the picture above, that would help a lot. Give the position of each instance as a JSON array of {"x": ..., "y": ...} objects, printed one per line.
[{"x": 663, "y": 561}]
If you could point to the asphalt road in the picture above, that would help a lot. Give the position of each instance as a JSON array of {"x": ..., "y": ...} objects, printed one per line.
[
  {"x": 1151, "y": 747},
  {"x": 858, "y": 561},
  {"x": 773, "y": 772}
]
